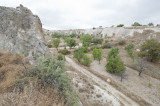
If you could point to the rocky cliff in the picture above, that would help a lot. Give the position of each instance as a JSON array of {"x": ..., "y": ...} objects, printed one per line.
[
  {"x": 21, "y": 32},
  {"x": 104, "y": 32}
]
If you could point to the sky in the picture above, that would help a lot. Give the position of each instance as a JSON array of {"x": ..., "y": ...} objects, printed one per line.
[{"x": 82, "y": 14}]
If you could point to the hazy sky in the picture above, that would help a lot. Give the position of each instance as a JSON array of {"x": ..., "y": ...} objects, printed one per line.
[{"x": 73, "y": 14}]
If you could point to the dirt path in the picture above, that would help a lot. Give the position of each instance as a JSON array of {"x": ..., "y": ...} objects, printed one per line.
[{"x": 110, "y": 93}]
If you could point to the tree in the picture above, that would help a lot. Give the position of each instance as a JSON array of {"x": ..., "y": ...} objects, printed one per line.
[
  {"x": 120, "y": 25},
  {"x": 114, "y": 62},
  {"x": 140, "y": 65},
  {"x": 56, "y": 43},
  {"x": 150, "y": 49},
  {"x": 136, "y": 24},
  {"x": 97, "y": 54},
  {"x": 71, "y": 43},
  {"x": 150, "y": 24},
  {"x": 86, "y": 39}
]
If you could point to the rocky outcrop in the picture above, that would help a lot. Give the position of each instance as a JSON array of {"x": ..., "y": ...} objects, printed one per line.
[
  {"x": 21, "y": 32},
  {"x": 104, "y": 32}
]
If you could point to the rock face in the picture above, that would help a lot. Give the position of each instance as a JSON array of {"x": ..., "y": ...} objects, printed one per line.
[
  {"x": 21, "y": 32},
  {"x": 104, "y": 32}
]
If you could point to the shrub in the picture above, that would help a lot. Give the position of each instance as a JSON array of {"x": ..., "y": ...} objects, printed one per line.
[
  {"x": 120, "y": 25},
  {"x": 49, "y": 45},
  {"x": 97, "y": 41},
  {"x": 122, "y": 42},
  {"x": 84, "y": 49},
  {"x": 86, "y": 39},
  {"x": 136, "y": 24},
  {"x": 113, "y": 52},
  {"x": 60, "y": 57},
  {"x": 56, "y": 43},
  {"x": 97, "y": 54},
  {"x": 71, "y": 43},
  {"x": 150, "y": 24},
  {"x": 56, "y": 35},
  {"x": 150, "y": 49},
  {"x": 64, "y": 52},
  {"x": 106, "y": 45},
  {"x": 129, "y": 47},
  {"x": 78, "y": 54},
  {"x": 94, "y": 47},
  {"x": 106, "y": 41},
  {"x": 73, "y": 35},
  {"x": 86, "y": 60},
  {"x": 50, "y": 72}
]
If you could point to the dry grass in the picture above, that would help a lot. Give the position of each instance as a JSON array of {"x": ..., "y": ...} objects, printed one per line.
[
  {"x": 12, "y": 95},
  {"x": 10, "y": 67},
  {"x": 31, "y": 96}
]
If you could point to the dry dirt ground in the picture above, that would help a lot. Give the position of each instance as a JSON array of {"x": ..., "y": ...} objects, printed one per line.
[{"x": 93, "y": 90}]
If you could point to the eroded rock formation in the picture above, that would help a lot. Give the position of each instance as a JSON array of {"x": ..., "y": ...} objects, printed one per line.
[{"x": 21, "y": 32}]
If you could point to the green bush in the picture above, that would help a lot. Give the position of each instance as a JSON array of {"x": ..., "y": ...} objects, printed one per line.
[
  {"x": 94, "y": 47},
  {"x": 97, "y": 41},
  {"x": 150, "y": 49},
  {"x": 71, "y": 43},
  {"x": 50, "y": 72},
  {"x": 97, "y": 54},
  {"x": 129, "y": 47},
  {"x": 56, "y": 43},
  {"x": 86, "y": 39},
  {"x": 122, "y": 42},
  {"x": 106, "y": 41},
  {"x": 73, "y": 35},
  {"x": 60, "y": 57},
  {"x": 64, "y": 52},
  {"x": 49, "y": 45},
  {"x": 136, "y": 24},
  {"x": 120, "y": 25},
  {"x": 56, "y": 35},
  {"x": 106, "y": 45},
  {"x": 84, "y": 49},
  {"x": 78, "y": 54},
  {"x": 86, "y": 60},
  {"x": 150, "y": 24}
]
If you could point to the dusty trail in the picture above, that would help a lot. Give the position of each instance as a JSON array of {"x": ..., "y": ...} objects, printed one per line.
[{"x": 111, "y": 93}]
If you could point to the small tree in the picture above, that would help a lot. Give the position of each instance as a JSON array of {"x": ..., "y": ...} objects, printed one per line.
[
  {"x": 97, "y": 54},
  {"x": 78, "y": 54},
  {"x": 115, "y": 64},
  {"x": 86, "y": 39},
  {"x": 150, "y": 49},
  {"x": 86, "y": 60},
  {"x": 113, "y": 52},
  {"x": 150, "y": 24},
  {"x": 129, "y": 49},
  {"x": 56, "y": 43},
  {"x": 120, "y": 25},
  {"x": 136, "y": 24},
  {"x": 71, "y": 43}
]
